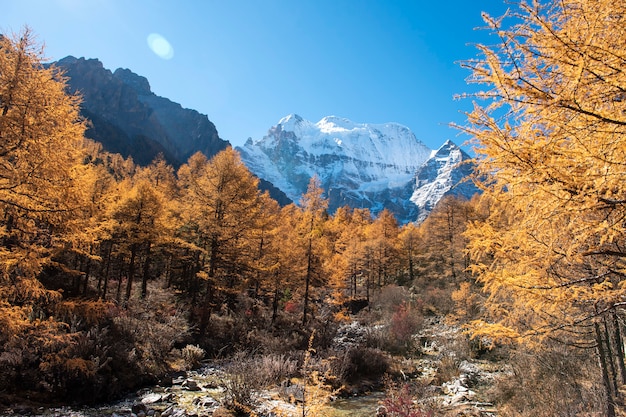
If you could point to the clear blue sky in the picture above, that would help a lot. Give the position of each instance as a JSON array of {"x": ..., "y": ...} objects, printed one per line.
[{"x": 247, "y": 63}]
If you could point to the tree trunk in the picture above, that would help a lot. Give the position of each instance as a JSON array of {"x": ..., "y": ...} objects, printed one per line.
[
  {"x": 307, "y": 280},
  {"x": 606, "y": 381},
  {"x": 619, "y": 347},
  {"x": 146, "y": 273},
  {"x": 275, "y": 305},
  {"x": 610, "y": 357},
  {"x": 205, "y": 311},
  {"x": 76, "y": 278},
  {"x": 87, "y": 272},
  {"x": 105, "y": 284},
  {"x": 168, "y": 270},
  {"x": 131, "y": 272}
]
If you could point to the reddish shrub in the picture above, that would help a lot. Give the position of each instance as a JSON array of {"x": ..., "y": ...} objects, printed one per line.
[
  {"x": 405, "y": 322},
  {"x": 400, "y": 403}
]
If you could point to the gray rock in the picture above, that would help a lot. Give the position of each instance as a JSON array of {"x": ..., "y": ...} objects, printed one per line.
[
  {"x": 139, "y": 407},
  {"x": 151, "y": 398},
  {"x": 191, "y": 385},
  {"x": 292, "y": 393},
  {"x": 168, "y": 397},
  {"x": 206, "y": 402}
]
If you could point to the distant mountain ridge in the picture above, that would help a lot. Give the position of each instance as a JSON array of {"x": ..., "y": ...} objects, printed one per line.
[{"x": 373, "y": 166}]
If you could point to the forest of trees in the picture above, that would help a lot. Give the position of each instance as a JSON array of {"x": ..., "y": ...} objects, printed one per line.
[{"x": 110, "y": 270}]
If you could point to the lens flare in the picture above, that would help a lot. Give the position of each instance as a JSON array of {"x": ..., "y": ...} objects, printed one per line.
[{"x": 160, "y": 46}]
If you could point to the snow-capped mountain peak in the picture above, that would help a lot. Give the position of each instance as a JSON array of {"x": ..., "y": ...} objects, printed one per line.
[
  {"x": 334, "y": 124},
  {"x": 446, "y": 172},
  {"x": 290, "y": 122},
  {"x": 359, "y": 164}
]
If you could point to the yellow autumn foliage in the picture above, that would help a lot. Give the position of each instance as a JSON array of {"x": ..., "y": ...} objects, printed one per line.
[{"x": 551, "y": 141}]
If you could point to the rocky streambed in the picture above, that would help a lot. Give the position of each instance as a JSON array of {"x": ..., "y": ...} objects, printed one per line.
[
  {"x": 198, "y": 394},
  {"x": 201, "y": 393}
]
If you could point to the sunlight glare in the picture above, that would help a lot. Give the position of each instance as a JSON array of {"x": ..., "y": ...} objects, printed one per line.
[{"x": 160, "y": 46}]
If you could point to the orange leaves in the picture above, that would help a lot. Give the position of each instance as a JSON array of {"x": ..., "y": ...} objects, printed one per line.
[
  {"x": 494, "y": 333},
  {"x": 550, "y": 251},
  {"x": 88, "y": 312},
  {"x": 79, "y": 368},
  {"x": 13, "y": 320}
]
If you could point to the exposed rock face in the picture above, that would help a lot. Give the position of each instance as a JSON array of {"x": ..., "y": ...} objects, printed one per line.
[
  {"x": 128, "y": 118},
  {"x": 447, "y": 172},
  {"x": 360, "y": 165}
]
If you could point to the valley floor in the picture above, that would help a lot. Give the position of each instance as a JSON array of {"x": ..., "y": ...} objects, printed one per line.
[{"x": 448, "y": 384}]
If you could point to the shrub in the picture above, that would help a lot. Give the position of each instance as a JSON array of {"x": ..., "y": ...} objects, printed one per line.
[
  {"x": 280, "y": 341},
  {"x": 358, "y": 364},
  {"x": 292, "y": 307},
  {"x": 316, "y": 382},
  {"x": 558, "y": 381},
  {"x": 148, "y": 330},
  {"x": 405, "y": 322},
  {"x": 397, "y": 336},
  {"x": 399, "y": 402},
  {"x": 437, "y": 301},
  {"x": 276, "y": 368},
  {"x": 192, "y": 355},
  {"x": 222, "y": 332},
  {"x": 447, "y": 368},
  {"x": 248, "y": 374},
  {"x": 387, "y": 300},
  {"x": 243, "y": 379}
]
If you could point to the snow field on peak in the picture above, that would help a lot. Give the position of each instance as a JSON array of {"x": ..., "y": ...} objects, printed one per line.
[
  {"x": 389, "y": 144},
  {"x": 359, "y": 164}
]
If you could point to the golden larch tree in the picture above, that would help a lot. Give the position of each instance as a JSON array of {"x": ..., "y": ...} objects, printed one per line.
[
  {"x": 551, "y": 144},
  {"x": 222, "y": 208},
  {"x": 41, "y": 140},
  {"x": 311, "y": 232}
]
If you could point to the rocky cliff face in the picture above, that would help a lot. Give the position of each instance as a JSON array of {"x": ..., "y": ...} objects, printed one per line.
[
  {"x": 359, "y": 165},
  {"x": 447, "y": 172},
  {"x": 128, "y": 118}
]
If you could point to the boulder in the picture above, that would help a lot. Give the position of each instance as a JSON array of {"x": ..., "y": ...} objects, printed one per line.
[
  {"x": 191, "y": 385},
  {"x": 151, "y": 398},
  {"x": 139, "y": 407}
]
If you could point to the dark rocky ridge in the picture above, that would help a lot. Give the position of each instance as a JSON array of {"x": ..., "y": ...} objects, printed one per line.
[{"x": 128, "y": 118}]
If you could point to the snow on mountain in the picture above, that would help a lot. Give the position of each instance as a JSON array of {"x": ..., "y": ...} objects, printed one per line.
[
  {"x": 354, "y": 161},
  {"x": 359, "y": 164},
  {"x": 446, "y": 172}
]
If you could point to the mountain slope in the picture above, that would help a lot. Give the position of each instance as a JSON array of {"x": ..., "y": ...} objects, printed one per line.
[
  {"x": 128, "y": 118},
  {"x": 446, "y": 172},
  {"x": 358, "y": 164}
]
